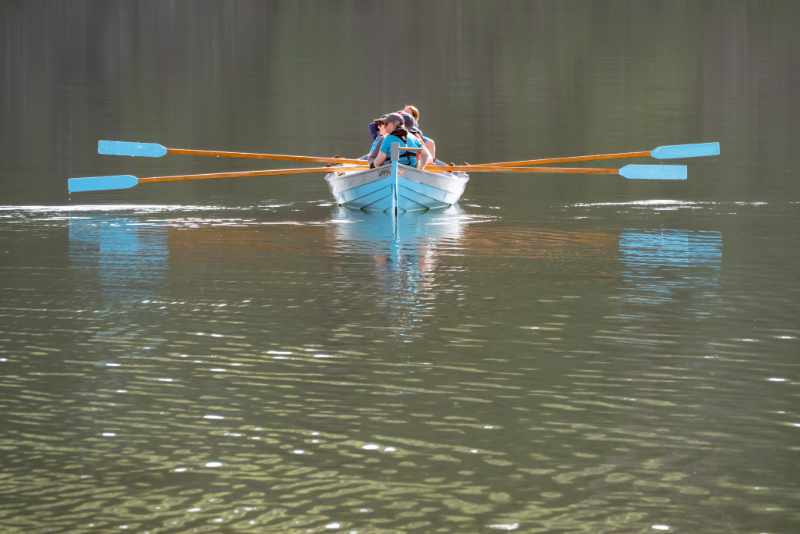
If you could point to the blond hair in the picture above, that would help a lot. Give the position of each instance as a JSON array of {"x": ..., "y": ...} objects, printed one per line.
[{"x": 414, "y": 111}]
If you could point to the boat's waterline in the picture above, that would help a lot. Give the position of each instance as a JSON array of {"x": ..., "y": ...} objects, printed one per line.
[{"x": 417, "y": 190}]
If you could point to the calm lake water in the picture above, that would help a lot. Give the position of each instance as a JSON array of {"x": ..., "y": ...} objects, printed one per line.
[
  {"x": 553, "y": 354},
  {"x": 288, "y": 366}
]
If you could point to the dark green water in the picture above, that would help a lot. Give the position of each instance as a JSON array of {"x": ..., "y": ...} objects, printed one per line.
[{"x": 554, "y": 354}]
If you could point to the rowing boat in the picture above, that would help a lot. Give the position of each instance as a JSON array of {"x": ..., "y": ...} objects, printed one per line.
[{"x": 406, "y": 188}]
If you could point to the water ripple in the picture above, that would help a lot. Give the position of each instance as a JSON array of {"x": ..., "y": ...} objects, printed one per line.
[{"x": 474, "y": 374}]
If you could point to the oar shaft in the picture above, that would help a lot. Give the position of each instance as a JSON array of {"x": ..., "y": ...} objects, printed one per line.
[
  {"x": 631, "y": 172},
  {"x": 568, "y": 159},
  {"x": 243, "y": 174},
  {"x": 137, "y": 149},
  {"x": 500, "y": 168},
  {"x": 257, "y": 155},
  {"x": 691, "y": 150}
]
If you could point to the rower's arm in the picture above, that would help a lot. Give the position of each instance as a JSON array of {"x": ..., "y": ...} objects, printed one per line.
[
  {"x": 424, "y": 157},
  {"x": 380, "y": 159},
  {"x": 430, "y": 144}
]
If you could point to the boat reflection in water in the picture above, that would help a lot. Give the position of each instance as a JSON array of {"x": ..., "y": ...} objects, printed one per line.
[
  {"x": 658, "y": 264},
  {"x": 404, "y": 254},
  {"x": 143, "y": 254},
  {"x": 358, "y": 230},
  {"x": 128, "y": 258}
]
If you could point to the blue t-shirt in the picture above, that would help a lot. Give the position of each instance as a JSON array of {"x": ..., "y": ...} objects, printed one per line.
[{"x": 410, "y": 158}]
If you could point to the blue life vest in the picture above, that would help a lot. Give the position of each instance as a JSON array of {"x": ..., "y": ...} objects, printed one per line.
[{"x": 406, "y": 157}]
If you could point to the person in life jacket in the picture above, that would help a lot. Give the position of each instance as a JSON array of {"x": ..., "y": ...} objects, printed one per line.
[
  {"x": 411, "y": 126},
  {"x": 429, "y": 143},
  {"x": 396, "y": 133}
]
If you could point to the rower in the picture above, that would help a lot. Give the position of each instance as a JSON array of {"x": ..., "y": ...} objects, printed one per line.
[
  {"x": 397, "y": 134},
  {"x": 410, "y": 124},
  {"x": 379, "y": 126},
  {"x": 412, "y": 110},
  {"x": 429, "y": 143}
]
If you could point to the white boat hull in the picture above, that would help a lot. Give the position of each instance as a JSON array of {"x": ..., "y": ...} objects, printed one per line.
[{"x": 373, "y": 189}]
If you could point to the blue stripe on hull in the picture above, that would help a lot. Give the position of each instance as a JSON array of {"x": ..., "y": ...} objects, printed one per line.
[
  {"x": 412, "y": 200},
  {"x": 363, "y": 198},
  {"x": 423, "y": 193},
  {"x": 372, "y": 195}
]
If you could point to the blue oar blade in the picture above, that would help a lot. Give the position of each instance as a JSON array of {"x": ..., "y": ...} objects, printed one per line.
[
  {"x": 696, "y": 150},
  {"x": 653, "y": 172},
  {"x": 133, "y": 149},
  {"x": 101, "y": 183}
]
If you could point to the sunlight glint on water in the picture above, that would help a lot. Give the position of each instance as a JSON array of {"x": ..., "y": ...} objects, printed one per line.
[{"x": 479, "y": 370}]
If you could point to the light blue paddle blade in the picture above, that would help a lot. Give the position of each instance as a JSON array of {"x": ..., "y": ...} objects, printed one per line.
[
  {"x": 101, "y": 183},
  {"x": 653, "y": 172},
  {"x": 133, "y": 149},
  {"x": 696, "y": 150}
]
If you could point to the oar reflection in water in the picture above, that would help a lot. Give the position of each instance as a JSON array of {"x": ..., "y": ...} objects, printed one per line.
[
  {"x": 659, "y": 263},
  {"x": 123, "y": 267},
  {"x": 129, "y": 259}
]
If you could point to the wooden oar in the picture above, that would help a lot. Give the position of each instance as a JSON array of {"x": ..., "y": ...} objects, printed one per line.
[
  {"x": 631, "y": 172},
  {"x": 127, "y": 181},
  {"x": 695, "y": 150},
  {"x": 154, "y": 150}
]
